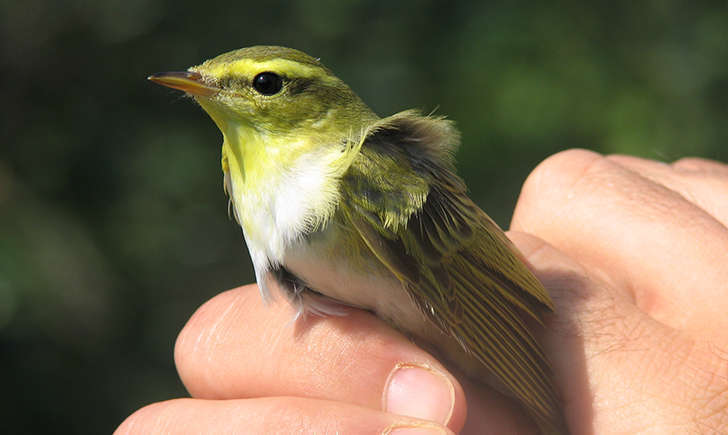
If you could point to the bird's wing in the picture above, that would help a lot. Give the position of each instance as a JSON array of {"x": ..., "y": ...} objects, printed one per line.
[{"x": 412, "y": 211}]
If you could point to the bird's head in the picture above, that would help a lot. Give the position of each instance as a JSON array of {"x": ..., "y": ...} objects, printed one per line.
[{"x": 274, "y": 91}]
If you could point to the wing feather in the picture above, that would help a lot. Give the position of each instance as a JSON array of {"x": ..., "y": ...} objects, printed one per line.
[{"x": 412, "y": 211}]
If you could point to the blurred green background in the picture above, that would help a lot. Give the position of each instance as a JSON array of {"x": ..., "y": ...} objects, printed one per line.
[{"x": 113, "y": 223}]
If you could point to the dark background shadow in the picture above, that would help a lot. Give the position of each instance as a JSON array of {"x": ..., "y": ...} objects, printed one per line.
[{"x": 112, "y": 216}]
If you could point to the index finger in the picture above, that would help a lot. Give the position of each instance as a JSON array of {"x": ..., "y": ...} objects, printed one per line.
[{"x": 236, "y": 347}]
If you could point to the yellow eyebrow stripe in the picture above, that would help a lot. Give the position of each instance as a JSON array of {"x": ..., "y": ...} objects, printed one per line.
[{"x": 250, "y": 67}]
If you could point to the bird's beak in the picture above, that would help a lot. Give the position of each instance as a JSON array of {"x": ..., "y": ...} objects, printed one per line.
[{"x": 187, "y": 81}]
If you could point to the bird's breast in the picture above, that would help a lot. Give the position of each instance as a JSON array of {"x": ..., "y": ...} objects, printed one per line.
[
  {"x": 338, "y": 264},
  {"x": 283, "y": 202}
]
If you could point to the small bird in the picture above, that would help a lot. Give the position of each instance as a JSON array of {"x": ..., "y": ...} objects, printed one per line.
[{"x": 340, "y": 207}]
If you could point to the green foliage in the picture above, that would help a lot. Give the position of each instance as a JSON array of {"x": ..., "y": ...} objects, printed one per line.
[{"x": 112, "y": 216}]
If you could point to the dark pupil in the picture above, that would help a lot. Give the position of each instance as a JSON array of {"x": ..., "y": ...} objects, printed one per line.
[{"x": 268, "y": 83}]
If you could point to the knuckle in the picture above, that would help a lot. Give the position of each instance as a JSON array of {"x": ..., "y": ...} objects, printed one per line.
[
  {"x": 550, "y": 187},
  {"x": 561, "y": 170}
]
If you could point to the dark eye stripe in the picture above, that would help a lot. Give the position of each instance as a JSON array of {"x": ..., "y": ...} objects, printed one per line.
[{"x": 300, "y": 85}]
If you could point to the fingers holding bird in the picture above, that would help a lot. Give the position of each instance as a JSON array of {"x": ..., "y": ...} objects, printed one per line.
[
  {"x": 609, "y": 233},
  {"x": 607, "y": 355},
  {"x": 237, "y": 347},
  {"x": 268, "y": 415},
  {"x": 654, "y": 232}
]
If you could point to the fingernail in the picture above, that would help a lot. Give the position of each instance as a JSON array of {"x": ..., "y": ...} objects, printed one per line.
[
  {"x": 414, "y": 430},
  {"x": 420, "y": 392}
]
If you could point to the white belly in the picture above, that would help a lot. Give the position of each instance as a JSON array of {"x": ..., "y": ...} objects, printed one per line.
[{"x": 362, "y": 282}]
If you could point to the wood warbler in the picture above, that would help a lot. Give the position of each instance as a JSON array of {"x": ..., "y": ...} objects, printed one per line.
[{"x": 339, "y": 206}]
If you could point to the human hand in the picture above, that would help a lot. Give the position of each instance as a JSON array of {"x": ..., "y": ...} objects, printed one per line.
[
  {"x": 635, "y": 254},
  {"x": 250, "y": 369},
  {"x": 638, "y": 342}
]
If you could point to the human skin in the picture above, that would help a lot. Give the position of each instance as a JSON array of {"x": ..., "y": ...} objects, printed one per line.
[{"x": 635, "y": 255}]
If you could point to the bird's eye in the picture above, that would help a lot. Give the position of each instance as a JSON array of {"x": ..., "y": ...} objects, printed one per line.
[{"x": 268, "y": 83}]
